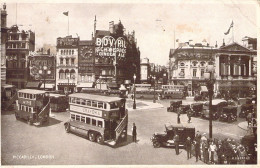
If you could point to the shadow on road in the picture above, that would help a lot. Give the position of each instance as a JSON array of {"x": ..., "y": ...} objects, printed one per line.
[
  {"x": 128, "y": 141},
  {"x": 52, "y": 121}
]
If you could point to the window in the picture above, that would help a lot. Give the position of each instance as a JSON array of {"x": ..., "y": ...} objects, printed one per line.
[
  {"x": 202, "y": 72},
  {"x": 182, "y": 64},
  {"x": 194, "y": 63},
  {"x": 72, "y": 52},
  {"x": 113, "y": 105},
  {"x": 77, "y": 118},
  {"x": 83, "y": 102},
  {"x": 83, "y": 119},
  {"x": 100, "y": 104},
  {"x": 94, "y": 104},
  {"x": 23, "y": 45},
  {"x": 105, "y": 106},
  {"x": 78, "y": 101},
  {"x": 94, "y": 122},
  {"x": 69, "y": 52},
  {"x": 72, "y": 60},
  {"x": 88, "y": 103},
  {"x": 61, "y": 61},
  {"x": 194, "y": 72},
  {"x": 72, "y": 100},
  {"x": 87, "y": 120},
  {"x": 72, "y": 116},
  {"x": 30, "y": 96},
  {"x": 202, "y": 64},
  {"x": 61, "y": 52},
  {"x": 33, "y": 96},
  {"x": 67, "y": 61},
  {"x": 100, "y": 124},
  {"x": 27, "y": 109}
]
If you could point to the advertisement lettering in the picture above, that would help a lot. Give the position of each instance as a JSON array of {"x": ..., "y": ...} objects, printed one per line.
[{"x": 109, "y": 46}]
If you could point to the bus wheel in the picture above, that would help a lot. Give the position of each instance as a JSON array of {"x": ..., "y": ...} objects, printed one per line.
[
  {"x": 91, "y": 136},
  {"x": 67, "y": 128},
  {"x": 99, "y": 139}
]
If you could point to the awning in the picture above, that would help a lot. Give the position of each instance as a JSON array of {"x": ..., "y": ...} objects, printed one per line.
[
  {"x": 47, "y": 86},
  {"x": 32, "y": 85},
  {"x": 203, "y": 89},
  {"x": 85, "y": 85}
]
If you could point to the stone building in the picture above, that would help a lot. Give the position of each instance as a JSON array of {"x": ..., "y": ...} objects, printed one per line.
[
  {"x": 19, "y": 45},
  {"x": 67, "y": 64}
]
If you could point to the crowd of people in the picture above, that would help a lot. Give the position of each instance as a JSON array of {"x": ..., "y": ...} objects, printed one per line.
[{"x": 226, "y": 151}]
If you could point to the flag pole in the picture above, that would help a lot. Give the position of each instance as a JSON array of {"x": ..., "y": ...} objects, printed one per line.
[
  {"x": 233, "y": 32},
  {"x": 68, "y": 24},
  {"x": 174, "y": 37}
]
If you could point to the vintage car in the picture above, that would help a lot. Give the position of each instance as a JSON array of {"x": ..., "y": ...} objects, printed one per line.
[
  {"x": 229, "y": 114},
  {"x": 185, "y": 108},
  {"x": 166, "y": 139},
  {"x": 196, "y": 109},
  {"x": 174, "y": 105},
  {"x": 217, "y": 106},
  {"x": 245, "y": 109}
]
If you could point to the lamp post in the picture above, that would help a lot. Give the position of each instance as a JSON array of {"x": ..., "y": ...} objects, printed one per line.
[
  {"x": 210, "y": 85},
  {"x": 154, "y": 101},
  {"x": 134, "y": 105},
  {"x": 44, "y": 72}
]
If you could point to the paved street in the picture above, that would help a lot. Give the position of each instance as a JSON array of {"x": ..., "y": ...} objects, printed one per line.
[{"x": 22, "y": 140}]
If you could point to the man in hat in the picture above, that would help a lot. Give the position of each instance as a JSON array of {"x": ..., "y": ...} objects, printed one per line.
[
  {"x": 197, "y": 145},
  {"x": 188, "y": 147},
  {"x": 176, "y": 139}
]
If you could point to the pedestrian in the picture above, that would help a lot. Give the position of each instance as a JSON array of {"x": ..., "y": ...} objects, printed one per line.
[
  {"x": 188, "y": 147},
  {"x": 178, "y": 116},
  {"x": 134, "y": 132},
  {"x": 197, "y": 145},
  {"x": 212, "y": 150},
  {"x": 249, "y": 118},
  {"x": 205, "y": 152},
  {"x": 197, "y": 150},
  {"x": 176, "y": 139},
  {"x": 189, "y": 113}
]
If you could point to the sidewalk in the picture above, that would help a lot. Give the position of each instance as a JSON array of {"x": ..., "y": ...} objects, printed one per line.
[
  {"x": 243, "y": 125},
  {"x": 142, "y": 105}
]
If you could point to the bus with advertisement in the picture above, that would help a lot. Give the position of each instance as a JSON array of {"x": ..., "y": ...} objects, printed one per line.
[
  {"x": 100, "y": 119},
  {"x": 173, "y": 91},
  {"x": 33, "y": 106}
]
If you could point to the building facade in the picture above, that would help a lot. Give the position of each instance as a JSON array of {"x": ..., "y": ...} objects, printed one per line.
[
  {"x": 4, "y": 30},
  {"x": 42, "y": 68},
  {"x": 67, "y": 64},
  {"x": 117, "y": 57},
  {"x": 233, "y": 67},
  {"x": 19, "y": 45}
]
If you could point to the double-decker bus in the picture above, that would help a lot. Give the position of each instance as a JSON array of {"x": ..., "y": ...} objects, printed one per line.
[
  {"x": 173, "y": 91},
  {"x": 101, "y": 119},
  {"x": 33, "y": 106},
  {"x": 8, "y": 96}
]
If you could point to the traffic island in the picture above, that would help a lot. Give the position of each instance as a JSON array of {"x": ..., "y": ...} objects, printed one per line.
[{"x": 142, "y": 105}]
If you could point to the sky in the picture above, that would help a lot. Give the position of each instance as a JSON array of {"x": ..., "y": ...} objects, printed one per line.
[{"x": 157, "y": 24}]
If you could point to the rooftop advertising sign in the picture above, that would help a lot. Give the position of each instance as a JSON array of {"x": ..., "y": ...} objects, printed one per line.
[{"x": 109, "y": 46}]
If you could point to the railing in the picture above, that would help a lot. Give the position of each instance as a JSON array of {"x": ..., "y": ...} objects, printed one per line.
[
  {"x": 121, "y": 126},
  {"x": 46, "y": 109}
]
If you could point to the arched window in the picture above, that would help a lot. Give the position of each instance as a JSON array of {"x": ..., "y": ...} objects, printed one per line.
[
  {"x": 72, "y": 52},
  {"x": 69, "y": 52},
  {"x": 182, "y": 64},
  {"x": 61, "y": 74},
  {"x": 194, "y": 63},
  {"x": 72, "y": 73},
  {"x": 67, "y": 73},
  {"x": 61, "y": 52},
  {"x": 66, "y": 52}
]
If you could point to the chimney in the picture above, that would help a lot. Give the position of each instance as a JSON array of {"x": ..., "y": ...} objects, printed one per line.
[
  {"x": 49, "y": 51},
  {"x": 223, "y": 43},
  {"x": 216, "y": 46},
  {"x": 111, "y": 27}
]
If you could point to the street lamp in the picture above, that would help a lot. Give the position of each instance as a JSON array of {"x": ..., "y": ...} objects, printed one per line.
[
  {"x": 210, "y": 85},
  {"x": 44, "y": 72},
  {"x": 154, "y": 101},
  {"x": 134, "y": 105}
]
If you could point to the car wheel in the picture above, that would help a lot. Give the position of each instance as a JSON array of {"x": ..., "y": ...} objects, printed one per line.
[
  {"x": 99, "y": 139},
  {"x": 67, "y": 128},
  {"x": 91, "y": 136},
  {"x": 156, "y": 144}
]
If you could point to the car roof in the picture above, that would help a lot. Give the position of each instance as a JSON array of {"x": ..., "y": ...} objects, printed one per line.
[
  {"x": 170, "y": 126},
  {"x": 95, "y": 97}
]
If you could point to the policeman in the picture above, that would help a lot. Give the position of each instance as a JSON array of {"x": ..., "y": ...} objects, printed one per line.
[
  {"x": 188, "y": 147},
  {"x": 176, "y": 143}
]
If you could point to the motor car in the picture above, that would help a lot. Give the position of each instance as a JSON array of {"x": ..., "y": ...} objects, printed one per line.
[
  {"x": 184, "y": 108},
  {"x": 166, "y": 139},
  {"x": 217, "y": 107},
  {"x": 229, "y": 114},
  {"x": 245, "y": 109},
  {"x": 174, "y": 105},
  {"x": 196, "y": 109}
]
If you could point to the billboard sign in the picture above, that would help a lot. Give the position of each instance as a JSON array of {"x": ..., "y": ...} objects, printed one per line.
[{"x": 111, "y": 47}]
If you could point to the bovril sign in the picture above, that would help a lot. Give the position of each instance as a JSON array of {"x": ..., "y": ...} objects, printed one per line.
[
  {"x": 109, "y": 46},
  {"x": 88, "y": 111}
]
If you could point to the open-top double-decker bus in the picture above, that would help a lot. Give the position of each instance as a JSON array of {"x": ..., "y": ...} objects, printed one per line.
[
  {"x": 100, "y": 118},
  {"x": 33, "y": 106}
]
